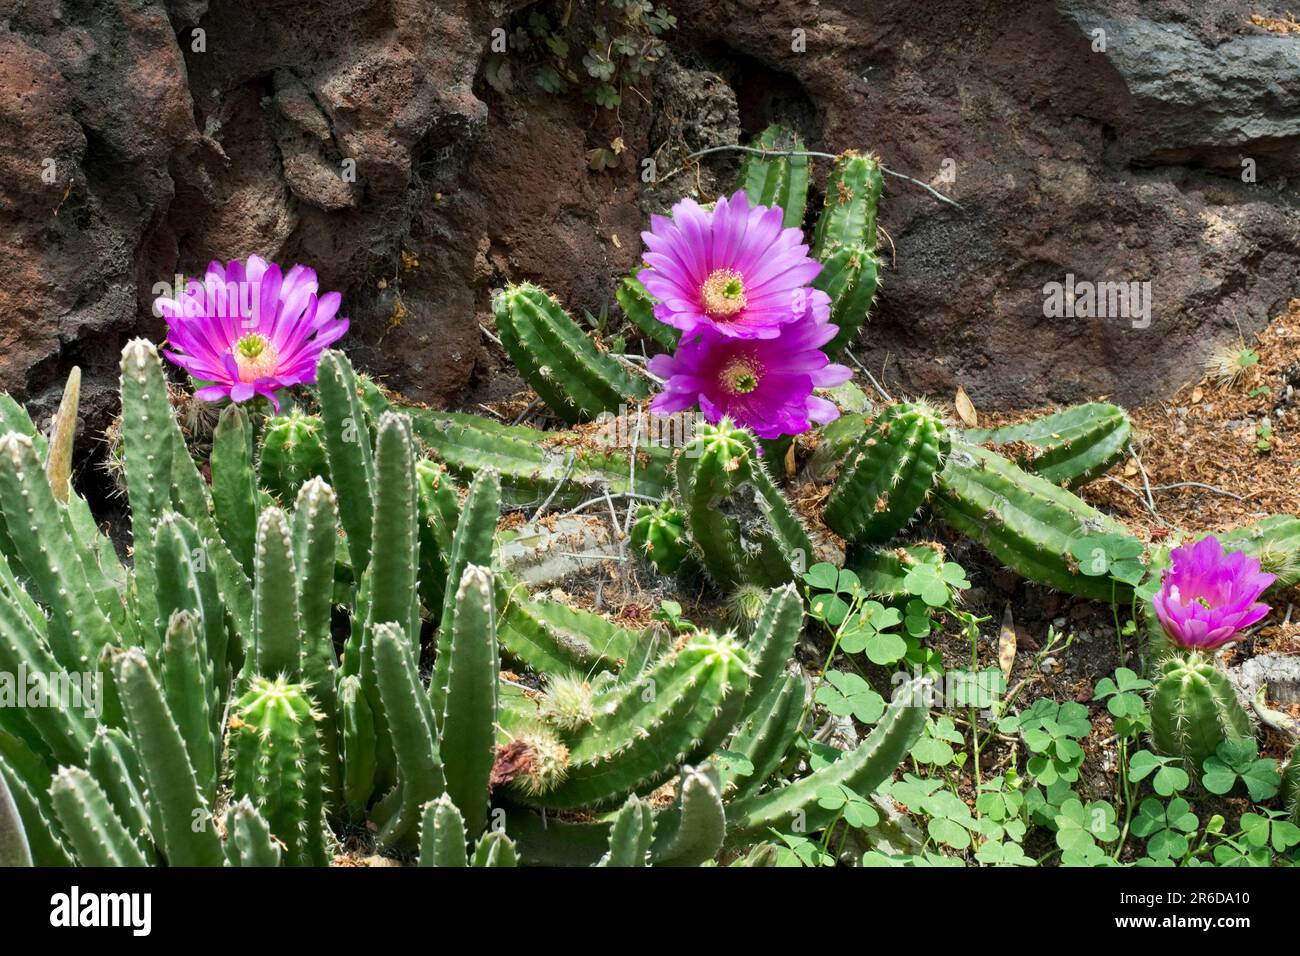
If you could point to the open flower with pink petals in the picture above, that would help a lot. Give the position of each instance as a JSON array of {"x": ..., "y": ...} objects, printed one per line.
[
  {"x": 249, "y": 329},
  {"x": 734, "y": 269},
  {"x": 764, "y": 384},
  {"x": 1208, "y": 596}
]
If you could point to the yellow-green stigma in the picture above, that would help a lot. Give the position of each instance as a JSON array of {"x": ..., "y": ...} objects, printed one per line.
[
  {"x": 723, "y": 293},
  {"x": 740, "y": 376},
  {"x": 255, "y": 357}
]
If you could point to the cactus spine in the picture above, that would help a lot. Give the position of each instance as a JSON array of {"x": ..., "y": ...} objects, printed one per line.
[
  {"x": 1194, "y": 709},
  {"x": 555, "y": 357},
  {"x": 888, "y": 474},
  {"x": 742, "y": 525},
  {"x": 1069, "y": 448}
]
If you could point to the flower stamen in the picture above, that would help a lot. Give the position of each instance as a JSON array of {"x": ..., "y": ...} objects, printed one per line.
[
  {"x": 723, "y": 293},
  {"x": 740, "y": 376},
  {"x": 255, "y": 357}
]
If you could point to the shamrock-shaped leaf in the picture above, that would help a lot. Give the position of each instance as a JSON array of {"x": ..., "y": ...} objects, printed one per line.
[
  {"x": 1239, "y": 760},
  {"x": 1165, "y": 826},
  {"x": 856, "y": 811},
  {"x": 1271, "y": 830},
  {"x": 1007, "y": 853},
  {"x": 823, "y": 576},
  {"x": 1170, "y": 777},
  {"x": 843, "y": 694},
  {"x": 1078, "y": 825}
]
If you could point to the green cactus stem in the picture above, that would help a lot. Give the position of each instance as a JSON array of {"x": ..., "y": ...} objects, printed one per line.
[
  {"x": 745, "y": 530},
  {"x": 292, "y": 452},
  {"x": 776, "y": 180},
  {"x": 1194, "y": 709},
  {"x": 1069, "y": 448},
  {"x": 862, "y": 770},
  {"x": 1027, "y": 522},
  {"x": 442, "y": 834},
  {"x": 94, "y": 831},
  {"x": 639, "y": 308},
  {"x": 888, "y": 474},
  {"x": 659, "y": 533},
  {"x": 575, "y": 379},
  {"x": 642, "y": 731},
  {"x": 630, "y": 835},
  {"x": 844, "y": 242},
  {"x": 1275, "y": 541},
  {"x": 276, "y": 763}
]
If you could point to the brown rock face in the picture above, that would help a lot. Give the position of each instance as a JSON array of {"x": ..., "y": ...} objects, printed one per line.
[{"x": 1102, "y": 140}]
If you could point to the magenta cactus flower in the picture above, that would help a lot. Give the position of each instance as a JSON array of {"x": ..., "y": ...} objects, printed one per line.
[
  {"x": 1208, "y": 596},
  {"x": 733, "y": 269},
  {"x": 249, "y": 329},
  {"x": 764, "y": 384}
]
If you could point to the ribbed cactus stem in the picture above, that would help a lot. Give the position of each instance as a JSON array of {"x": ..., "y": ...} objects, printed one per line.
[
  {"x": 292, "y": 452},
  {"x": 1194, "y": 709},
  {"x": 1275, "y": 541},
  {"x": 410, "y": 721},
  {"x": 1069, "y": 448},
  {"x": 93, "y": 830},
  {"x": 183, "y": 824},
  {"x": 277, "y": 627},
  {"x": 659, "y": 533},
  {"x": 776, "y": 179},
  {"x": 744, "y": 528},
  {"x": 468, "y": 724},
  {"x": 844, "y": 242},
  {"x": 276, "y": 763},
  {"x": 234, "y": 484},
  {"x": 642, "y": 731},
  {"x": 442, "y": 834},
  {"x": 249, "y": 840},
  {"x": 14, "y": 849},
  {"x": 888, "y": 473},
  {"x": 631, "y": 835},
  {"x": 348, "y": 450},
  {"x": 494, "y": 850},
  {"x": 532, "y": 464},
  {"x": 57, "y": 566},
  {"x": 639, "y": 308},
  {"x": 796, "y": 809},
  {"x": 1030, "y": 524},
  {"x": 576, "y": 379},
  {"x": 693, "y": 830}
]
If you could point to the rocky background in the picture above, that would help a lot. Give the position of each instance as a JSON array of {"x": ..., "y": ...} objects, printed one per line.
[{"x": 128, "y": 155}]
